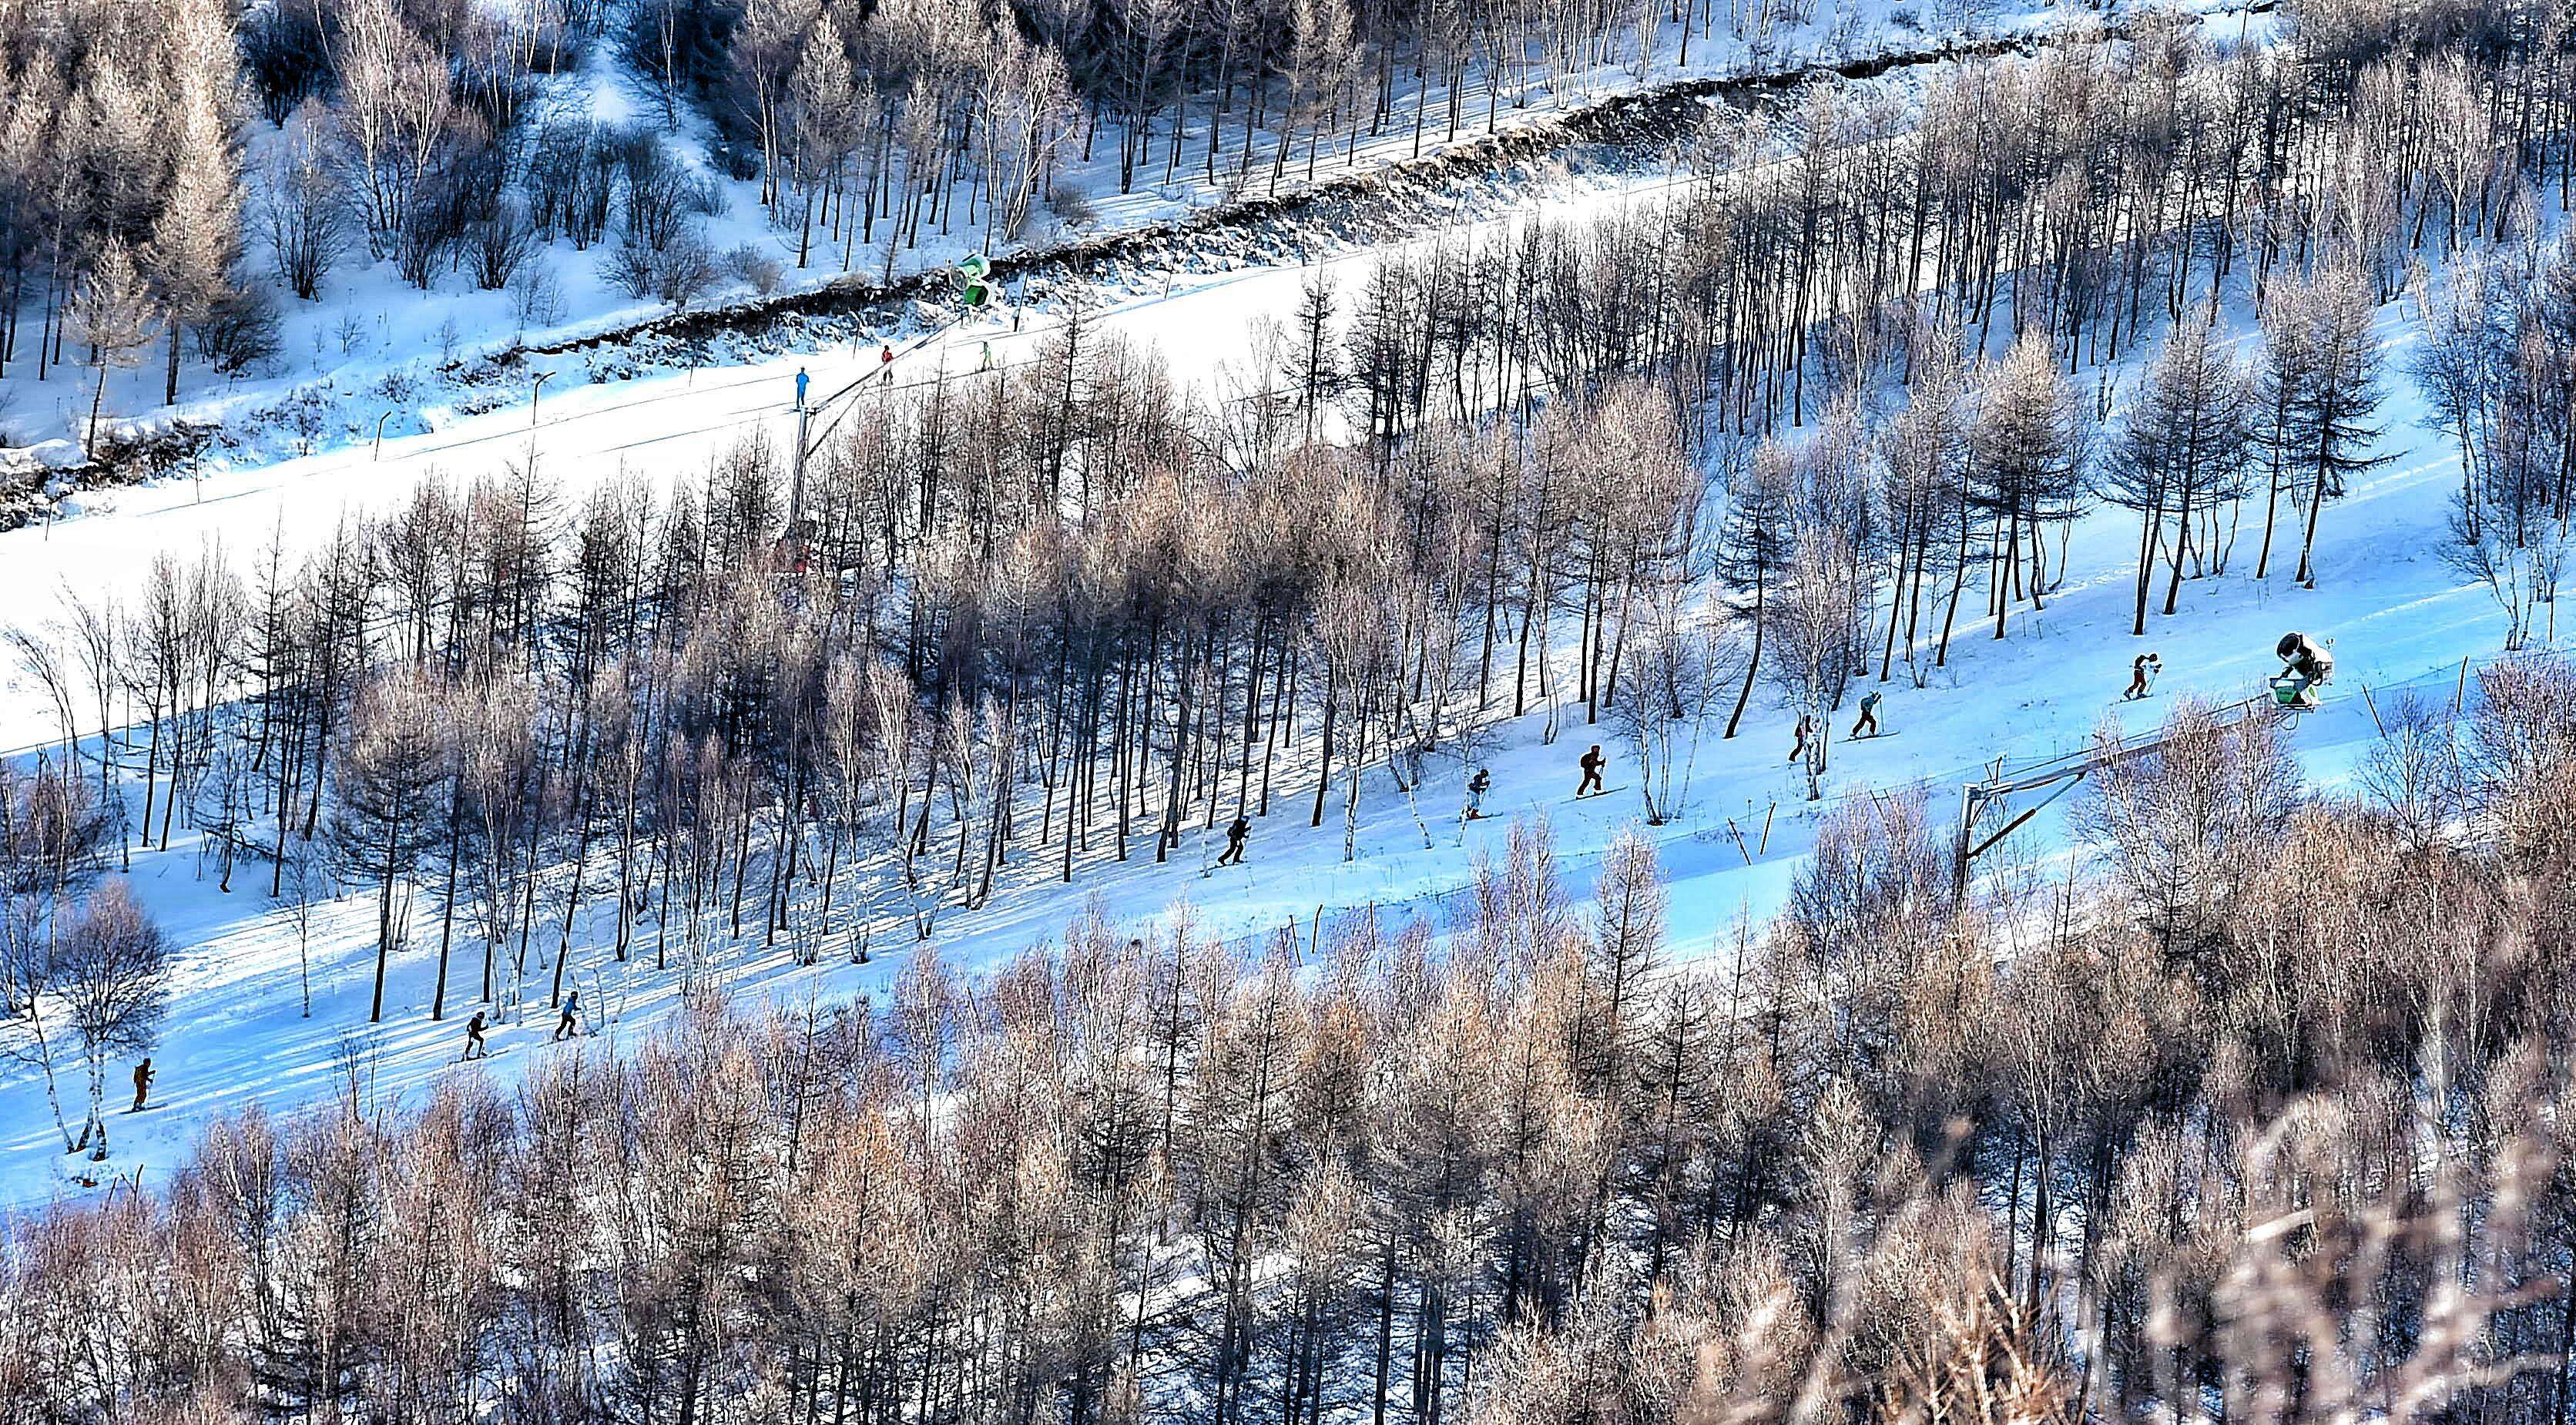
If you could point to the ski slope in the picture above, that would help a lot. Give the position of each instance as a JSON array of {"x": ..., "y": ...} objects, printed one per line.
[{"x": 238, "y": 1035}]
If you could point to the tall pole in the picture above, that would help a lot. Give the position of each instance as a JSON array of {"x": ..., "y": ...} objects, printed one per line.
[
  {"x": 1968, "y": 799},
  {"x": 796, "y": 486}
]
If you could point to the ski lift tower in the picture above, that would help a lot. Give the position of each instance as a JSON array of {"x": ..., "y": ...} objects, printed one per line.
[
  {"x": 974, "y": 288},
  {"x": 1995, "y": 791}
]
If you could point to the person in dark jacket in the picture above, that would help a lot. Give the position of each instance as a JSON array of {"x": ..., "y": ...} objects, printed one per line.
[
  {"x": 1591, "y": 764},
  {"x": 2142, "y": 674},
  {"x": 1477, "y": 786},
  {"x": 475, "y": 1047},
  {"x": 1235, "y": 836},
  {"x": 1867, "y": 726},
  {"x": 142, "y": 1083}
]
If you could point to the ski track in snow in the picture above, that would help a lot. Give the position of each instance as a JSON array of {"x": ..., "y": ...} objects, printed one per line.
[{"x": 2402, "y": 622}]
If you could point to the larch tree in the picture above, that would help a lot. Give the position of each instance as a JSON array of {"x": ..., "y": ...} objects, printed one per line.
[
  {"x": 197, "y": 238},
  {"x": 1754, "y": 546},
  {"x": 385, "y": 814},
  {"x": 2031, "y": 447},
  {"x": 2186, "y": 443},
  {"x": 113, "y": 314},
  {"x": 2328, "y": 430}
]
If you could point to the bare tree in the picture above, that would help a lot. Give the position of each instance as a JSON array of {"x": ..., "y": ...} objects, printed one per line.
[
  {"x": 112, "y": 978},
  {"x": 2186, "y": 444},
  {"x": 113, "y": 314},
  {"x": 383, "y": 818}
]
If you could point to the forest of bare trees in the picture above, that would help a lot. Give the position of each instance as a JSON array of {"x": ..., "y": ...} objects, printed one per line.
[
  {"x": 2259, "y": 1115},
  {"x": 1074, "y": 610},
  {"x": 2130, "y": 1145},
  {"x": 169, "y": 172}
]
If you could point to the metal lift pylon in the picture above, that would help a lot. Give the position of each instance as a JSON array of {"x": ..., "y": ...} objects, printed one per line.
[{"x": 2066, "y": 772}]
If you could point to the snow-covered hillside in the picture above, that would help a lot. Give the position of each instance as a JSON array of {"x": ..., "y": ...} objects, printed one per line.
[
  {"x": 239, "y": 1035},
  {"x": 375, "y": 352},
  {"x": 1674, "y": 709}
]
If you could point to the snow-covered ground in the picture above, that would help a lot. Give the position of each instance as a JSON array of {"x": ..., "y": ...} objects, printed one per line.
[
  {"x": 239, "y": 1036},
  {"x": 374, "y": 345}
]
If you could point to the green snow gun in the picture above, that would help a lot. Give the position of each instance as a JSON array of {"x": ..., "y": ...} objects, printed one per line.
[{"x": 974, "y": 282}]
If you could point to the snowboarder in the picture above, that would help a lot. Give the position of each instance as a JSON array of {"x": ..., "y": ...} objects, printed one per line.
[
  {"x": 142, "y": 1083},
  {"x": 1868, "y": 716},
  {"x": 1477, "y": 786},
  {"x": 801, "y": 381},
  {"x": 2142, "y": 675},
  {"x": 2308, "y": 666},
  {"x": 570, "y": 1024},
  {"x": 475, "y": 1048},
  {"x": 885, "y": 361},
  {"x": 1804, "y": 733},
  {"x": 1591, "y": 764},
  {"x": 1234, "y": 839}
]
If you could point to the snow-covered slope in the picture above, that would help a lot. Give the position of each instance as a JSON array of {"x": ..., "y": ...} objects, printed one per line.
[
  {"x": 239, "y": 1034},
  {"x": 375, "y": 353}
]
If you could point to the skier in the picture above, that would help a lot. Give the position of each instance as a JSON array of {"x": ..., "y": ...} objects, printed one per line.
[
  {"x": 801, "y": 381},
  {"x": 1234, "y": 839},
  {"x": 1868, "y": 716},
  {"x": 2142, "y": 673},
  {"x": 569, "y": 1025},
  {"x": 2309, "y": 666},
  {"x": 142, "y": 1083},
  {"x": 1806, "y": 731},
  {"x": 475, "y": 1048},
  {"x": 1591, "y": 764},
  {"x": 885, "y": 361},
  {"x": 988, "y": 356},
  {"x": 1477, "y": 786}
]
